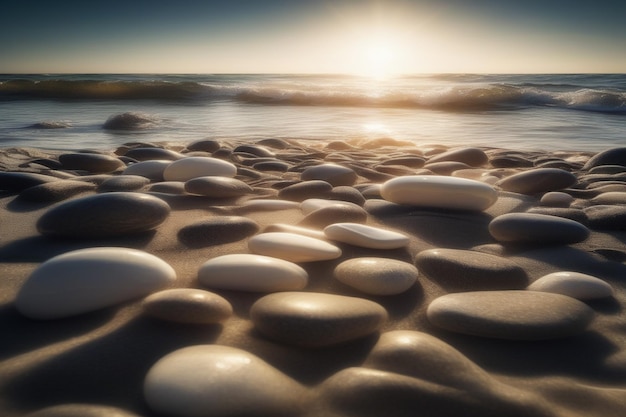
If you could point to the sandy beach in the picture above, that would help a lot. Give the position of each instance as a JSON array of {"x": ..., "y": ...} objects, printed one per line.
[{"x": 474, "y": 332}]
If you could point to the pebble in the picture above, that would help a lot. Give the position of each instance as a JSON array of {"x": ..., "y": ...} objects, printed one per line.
[
  {"x": 81, "y": 410},
  {"x": 220, "y": 381},
  {"x": 407, "y": 161},
  {"x": 148, "y": 154},
  {"x": 268, "y": 205},
  {"x": 606, "y": 217},
  {"x": 204, "y": 145},
  {"x": 459, "y": 270},
  {"x": 473, "y": 157},
  {"x": 439, "y": 192},
  {"x": 539, "y": 229},
  {"x": 123, "y": 183},
  {"x": 104, "y": 215},
  {"x": 305, "y": 190},
  {"x": 611, "y": 197},
  {"x": 614, "y": 156},
  {"x": 314, "y": 319},
  {"x": 514, "y": 315},
  {"x": 198, "y": 166},
  {"x": 254, "y": 273},
  {"x": 288, "y": 228},
  {"x": 556, "y": 199},
  {"x": 324, "y": 216},
  {"x": 217, "y": 230},
  {"x": 276, "y": 165},
  {"x": 153, "y": 170},
  {"x": 573, "y": 284},
  {"x": 346, "y": 194},
  {"x": 366, "y": 236},
  {"x": 575, "y": 214},
  {"x": 377, "y": 276},
  {"x": 90, "y": 162},
  {"x": 19, "y": 181},
  {"x": 331, "y": 173},
  {"x": 168, "y": 187},
  {"x": 55, "y": 191},
  {"x": 85, "y": 280},
  {"x": 258, "y": 150},
  {"x": 217, "y": 187},
  {"x": 539, "y": 180},
  {"x": 187, "y": 305},
  {"x": 446, "y": 167},
  {"x": 293, "y": 247},
  {"x": 311, "y": 204}
]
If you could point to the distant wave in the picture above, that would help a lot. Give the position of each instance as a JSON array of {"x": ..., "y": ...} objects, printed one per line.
[{"x": 452, "y": 97}]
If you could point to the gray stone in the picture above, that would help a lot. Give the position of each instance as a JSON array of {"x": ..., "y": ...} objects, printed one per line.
[
  {"x": 612, "y": 197},
  {"x": 204, "y": 145},
  {"x": 19, "y": 181},
  {"x": 614, "y": 156},
  {"x": 538, "y": 229},
  {"x": 123, "y": 183},
  {"x": 187, "y": 305},
  {"x": 539, "y": 180},
  {"x": 217, "y": 187},
  {"x": 473, "y": 157},
  {"x": 55, "y": 191},
  {"x": 90, "y": 162},
  {"x": 606, "y": 217},
  {"x": 149, "y": 154},
  {"x": 446, "y": 167},
  {"x": 306, "y": 189},
  {"x": 377, "y": 276},
  {"x": 333, "y": 174},
  {"x": 257, "y": 150},
  {"x": 575, "y": 214},
  {"x": 217, "y": 230}
]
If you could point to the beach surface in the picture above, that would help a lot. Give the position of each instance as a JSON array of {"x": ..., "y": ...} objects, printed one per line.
[{"x": 489, "y": 282}]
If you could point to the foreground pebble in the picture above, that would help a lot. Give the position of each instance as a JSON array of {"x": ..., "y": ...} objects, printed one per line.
[
  {"x": 574, "y": 284},
  {"x": 220, "y": 381},
  {"x": 187, "y": 305},
  {"x": 532, "y": 228},
  {"x": 90, "y": 279},
  {"x": 377, "y": 276},
  {"x": 366, "y": 236},
  {"x": 293, "y": 247}
]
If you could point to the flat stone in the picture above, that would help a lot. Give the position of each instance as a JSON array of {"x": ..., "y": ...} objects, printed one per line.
[
  {"x": 346, "y": 194},
  {"x": 539, "y": 229},
  {"x": 556, "y": 199},
  {"x": 219, "y": 381},
  {"x": 315, "y": 319},
  {"x": 217, "y": 187},
  {"x": 614, "y": 156},
  {"x": 439, "y": 192},
  {"x": 407, "y": 161},
  {"x": 81, "y": 410},
  {"x": 55, "y": 191},
  {"x": 377, "y": 276},
  {"x": 474, "y": 157},
  {"x": 217, "y": 230},
  {"x": 539, "y": 180},
  {"x": 268, "y": 205},
  {"x": 255, "y": 273},
  {"x": 305, "y": 190},
  {"x": 611, "y": 197},
  {"x": 446, "y": 167},
  {"x": 310, "y": 205},
  {"x": 324, "y": 216},
  {"x": 606, "y": 217},
  {"x": 204, "y": 145},
  {"x": 293, "y": 247},
  {"x": 575, "y": 214},
  {"x": 289, "y": 228},
  {"x": 276, "y": 165},
  {"x": 187, "y": 305},
  {"x": 168, "y": 187},
  {"x": 514, "y": 315},
  {"x": 510, "y": 161},
  {"x": 90, "y": 162},
  {"x": 123, "y": 183},
  {"x": 258, "y": 150},
  {"x": 104, "y": 215},
  {"x": 366, "y": 236},
  {"x": 573, "y": 284},
  {"x": 331, "y": 173},
  {"x": 148, "y": 154},
  {"x": 85, "y": 280},
  {"x": 19, "y": 181},
  {"x": 198, "y": 166},
  {"x": 459, "y": 270},
  {"x": 153, "y": 170}
]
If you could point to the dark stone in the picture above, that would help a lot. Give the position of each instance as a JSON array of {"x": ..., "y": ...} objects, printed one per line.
[
  {"x": 217, "y": 231},
  {"x": 123, "y": 183},
  {"x": 539, "y": 180},
  {"x": 614, "y": 156},
  {"x": 90, "y": 162},
  {"x": 306, "y": 189},
  {"x": 473, "y": 157},
  {"x": 204, "y": 145},
  {"x": 19, "y": 181},
  {"x": 55, "y": 191}
]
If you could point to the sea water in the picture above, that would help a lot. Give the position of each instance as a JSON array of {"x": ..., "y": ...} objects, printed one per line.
[{"x": 585, "y": 112}]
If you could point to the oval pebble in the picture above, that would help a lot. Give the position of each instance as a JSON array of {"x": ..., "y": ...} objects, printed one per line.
[
  {"x": 217, "y": 187},
  {"x": 220, "y": 381},
  {"x": 90, "y": 279},
  {"x": 377, "y": 276},
  {"x": 81, "y": 410},
  {"x": 514, "y": 315},
  {"x": 310, "y": 205},
  {"x": 198, "y": 166},
  {"x": 187, "y": 305},
  {"x": 539, "y": 180},
  {"x": 217, "y": 230},
  {"x": 324, "y": 216},
  {"x": 153, "y": 170},
  {"x": 556, "y": 199},
  {"x": 366, "y": 236},
  {"x": 536, "y": 229},
  {"x": 293, "y": 247},
  {"x": 256, "y": 273},
  {"x": 315, "y": 319},
  {"x": 90, "y": 162},
  {"x": 573, "y": 284},
  {"x": 334, "y": 174},
  {"x": 439, "y": 192},
  {"x": 123, "y": 183},
  {"x": 305, "y": 190},
  {"x": 56, "y": 190}
]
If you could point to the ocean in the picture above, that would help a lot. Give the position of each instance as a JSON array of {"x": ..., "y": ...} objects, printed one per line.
[{"x": 584, "y": 112}]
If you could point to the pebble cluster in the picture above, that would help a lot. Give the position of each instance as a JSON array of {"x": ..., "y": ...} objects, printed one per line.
[{"x": 373, "y": 216}]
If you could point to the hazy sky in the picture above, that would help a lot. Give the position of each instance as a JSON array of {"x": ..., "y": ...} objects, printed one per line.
[{"x": 309, "y": 36}]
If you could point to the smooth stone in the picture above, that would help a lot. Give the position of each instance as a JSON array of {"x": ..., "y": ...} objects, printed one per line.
[
  {"x": 55, "y": 191},
  {"x": 204, "y": 145},
  {"x": 606, "y": 217},
  {"x": 324, "y": 216},
  {"x": 575, "y": 214},
  {"x": 150, "y": 154},
  {"x": 90, "y": 162},
  {"x": 104, "y": 215},
  {"x": 314, "y": 319},
  {"x": 305, "y": 190},
  {"x": 312, "y": 204},
  {"x": 19, "y": 181},
  {"x": 153, "y": 170},
  {"x": 217, "y": 230},
  {"x": 187, "y": 305},
  {"x": 123, "y": 183},
  {"x": 573, "y": 284},
  {"x": 608, "y": 169},
  {"x": 254, "y": 273},
  {"x": 346, "y": 194},
  {"x": 217, "y": 187},
  {"x": 377, "y": 276},
  {"x": 539, "y": 180},
  {"x": 556, "y": 199},
  {"x": 537, "y": 229},
  {"x": 473, "y": 157},
  {"x": 268, "y": 205},
  {"x": 407, "y": 161},
  {"x": 439, "y": 192},
  {"x": 258, "y": 150},
  {"x": 168, "y": 187},
  {"x": 446, "y": 167},
  {"x": 85, "y": 280},
  {"x": 460, "y": 270},
  {"x": 611, "y": 197},
  {"x": 293, "y": 247},
  {"x": 366, "y": 236},
  {"x": 331, "y": 173},
  {"x": 614, "y": 156},
  {"x": 513, "y": 315},
  {"x": 81, "y": 410},
  {"x": 275, "y": 143},
  {"x": 279, "y": 166},
  {"x": 220, "y": 381},
  {"x": 198, "y": 166},
  {"x": 289, "y": 228}
]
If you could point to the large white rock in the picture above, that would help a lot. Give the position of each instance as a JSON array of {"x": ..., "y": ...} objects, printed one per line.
[
  {"x": 574, "y": 284},
  {"x": 366, "y": 236},
  {"x": 90, "y": 279},
  {"x": 152, "y": 169},
  {"x": 198, "y": 166},
  {"x": 439, "y": 192},
  {"x": 293, "y": 247},
  {"x": 257, "y": 273},
  {"x": 220, "y": 381}
]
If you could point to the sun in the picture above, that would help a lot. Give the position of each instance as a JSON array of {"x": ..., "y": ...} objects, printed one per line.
[{"x": 378, "y": 58}]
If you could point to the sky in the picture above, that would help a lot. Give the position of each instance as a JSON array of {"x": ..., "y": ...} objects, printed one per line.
[{"x": 376, "y": 37}]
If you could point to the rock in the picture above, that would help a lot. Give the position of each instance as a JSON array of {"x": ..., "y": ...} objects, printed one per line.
[
  {"x": 610, "y": 198},
  {"x": 606, "y": 217},
  {"x": 335, "y": 175},
  {"x": 324, "y": 216},
  {"x": 573, "y": 284},
  {"x": 459, "y": 270},
  {"x": 104, "y": 215},
  {"x": 81, "y": 410},
  {"x": 567, "y": 213},
  {"x": 256, "y": 273},
  {"x": 314, "y": 319},
  {"x": 220, "y": 381},
  {"x": 293, "y": 247},
  {"x": 217, "y": 187},
  {"x": 310, "y": 205},
  {"x": 90, "y": 162},
  {"x": 556, "y": 199},
  {"x": 539, "y": 229},
  {"x": 152, "y": 154},
  {"x": 514, "y": 315},
  {"x": 275, "y": 165},
  {"x": 366, "y": 236},
  {"x": 614, "y": 156},
  {"x": 407, "y": 161},
  {"x": 55, "y": 191},
  {"x": 346, "y": 194},
  {"x": 539, "y": 180},
  {"x": 288, "y": 228},
  {"x": 446, "y": 167},
  {"x": 204, "y": 145},
  {"x": 305, "y": 190},
  {"x": 153, "y": 170},
  {"x": 168, "y": 187},
  {"x": 19, "y": 181},
  {"x": 217, "y": 230},
  {"x": 187, "y": 305},
  {"x": 131, "y": 121},
  {"x": 473, "y": 157},
  {"x": 268, "y": 205},
  {"x": 439, "y": 192},
  {"x": 377, "y": 276},
  {"x": 123, "y": 183},
  {"x": 198, "y": 166},
  {"x": 258, "y": 150},
  {"x": 85, "y": 280}
]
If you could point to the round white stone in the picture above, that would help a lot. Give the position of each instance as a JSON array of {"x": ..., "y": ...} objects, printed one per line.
[
  {"x": 293, "y": 247},
  {"x": 366, "y": 236},
  {"x": 218, "y": 381},
  {"x": 257, "y": 273},
  {"x": 311, "y": 204},
  {"x": 90, "y": 279},
  {"x": 377, "y": 276},
  {"x": 198, "y": 166},
  {"x": 439, "y": 192},
  {"x": 574, "y": 284}
]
